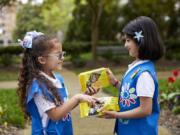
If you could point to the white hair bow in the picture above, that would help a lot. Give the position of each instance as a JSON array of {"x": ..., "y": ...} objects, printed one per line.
[{"x": 27, "y": 41}]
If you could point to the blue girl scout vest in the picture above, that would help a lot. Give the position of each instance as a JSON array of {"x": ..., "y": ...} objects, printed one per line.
[
  {"x": 61, "y": 127},
  {"x": 128, "y": 100}
]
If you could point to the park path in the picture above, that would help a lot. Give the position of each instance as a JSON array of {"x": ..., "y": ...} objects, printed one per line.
[{"x": 82, "y": 126}]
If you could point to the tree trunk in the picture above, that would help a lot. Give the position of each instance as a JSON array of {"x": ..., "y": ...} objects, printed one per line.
[
  {"x": 96, "y": 16},
  {"x": 94, "y": 38}
]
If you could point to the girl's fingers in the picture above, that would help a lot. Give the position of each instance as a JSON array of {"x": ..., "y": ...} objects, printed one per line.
[
  {"x": 91, "y": 91},
  {"x": 111, "y": 114},
  {"x": 108, "y": 71},
  {"x": 91, "y": 101},
  {"x": 87, "y": 92},
  {"x": 95, "y": 99},
  {"x": 102, "y": 108},
  {"x": 104, "y": 116},
  {"x": 94, "y": 91}
]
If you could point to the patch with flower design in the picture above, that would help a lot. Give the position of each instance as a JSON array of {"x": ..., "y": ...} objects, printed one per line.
[
  {"x": 67, "y": 117},
  {"x": 124, "y": 121},
  {"x": 127, "y": 95}
]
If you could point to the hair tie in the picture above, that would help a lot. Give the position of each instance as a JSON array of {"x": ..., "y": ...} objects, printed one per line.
[
  {"x": 138, "y": 35},
  {"x": 28, "y": 38}
]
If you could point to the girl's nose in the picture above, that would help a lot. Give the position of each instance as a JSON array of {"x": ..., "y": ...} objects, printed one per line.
[{"x": 125, "y": 44}]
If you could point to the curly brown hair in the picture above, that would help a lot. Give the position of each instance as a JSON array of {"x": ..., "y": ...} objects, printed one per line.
[{"x": 30, "y": 69}]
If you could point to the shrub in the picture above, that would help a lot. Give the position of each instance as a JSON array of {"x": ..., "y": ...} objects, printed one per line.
[
  {"x": 12, "y": 50},
  {"x": 7, "y": 54},
  {"x": 78, "y": 61},
  {"x": 172, "y": 49},
  {"x": 10, "y": 112},
  {"x": 169, "y": 92},
  {"x": 6, "y": 59},
  {"x": 74, "y": 48}
]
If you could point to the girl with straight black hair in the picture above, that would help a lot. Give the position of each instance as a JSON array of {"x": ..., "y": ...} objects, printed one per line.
[{"x": 138, "y": 91}]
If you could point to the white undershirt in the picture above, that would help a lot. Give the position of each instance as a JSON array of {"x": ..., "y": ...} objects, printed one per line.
[
  {"x": 145, "y": 86},
  {"x": 43, "y": 104}
]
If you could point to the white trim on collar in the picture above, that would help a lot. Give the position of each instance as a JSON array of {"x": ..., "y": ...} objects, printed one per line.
[
  {"x": 54, "y": 80},
  {"x": 132, "y": 65}
]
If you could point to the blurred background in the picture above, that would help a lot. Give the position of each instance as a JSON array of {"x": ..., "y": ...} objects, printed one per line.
[{"x": 89, "y": 31}]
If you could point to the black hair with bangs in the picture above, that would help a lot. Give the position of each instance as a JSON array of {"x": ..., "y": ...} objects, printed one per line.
[{"x": 150, "y": 45}]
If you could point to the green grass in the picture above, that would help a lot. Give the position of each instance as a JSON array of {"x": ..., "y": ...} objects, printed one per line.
[
  {"x": 6, "y": 75},
  {"x": 10, "y": 111}
]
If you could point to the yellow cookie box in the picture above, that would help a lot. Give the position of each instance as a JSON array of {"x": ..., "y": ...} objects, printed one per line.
[
  {"x": 95, "y": 78},
  {"x": 104, "y": 104}
]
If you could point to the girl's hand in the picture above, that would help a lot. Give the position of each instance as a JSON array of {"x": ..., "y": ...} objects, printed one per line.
[
  {"x": 91, "y": 91},
  {"x": 112, "y": 77},
  {"x": 86, "y": 98},
  {"x": 110, "y": 115}
]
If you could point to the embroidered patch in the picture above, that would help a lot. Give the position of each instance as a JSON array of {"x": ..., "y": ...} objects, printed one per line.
[
  {"x": 127, "y": 95},
  {"x": 124, "y": 121},
  {"x": 67, "y": 117},
  {"x": 135, "y": 73}
]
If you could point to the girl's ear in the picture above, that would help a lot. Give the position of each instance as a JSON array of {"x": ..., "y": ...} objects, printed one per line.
[{"x": 41, "y": 60}]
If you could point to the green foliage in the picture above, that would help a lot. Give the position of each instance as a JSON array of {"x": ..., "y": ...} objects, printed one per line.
[
  {"x": 108, "y": 43},
  {"x": 87, "y": 56},
  {"x": 107, "y": 55},
  {"x": 78, "y": 61},
  {"x": 80, "y": 27},
  {"x": 8, "y": 53},
  {"x": 162, "y": 11},
  {"x": 169, "y": 94},
  {"x": 6, "y": 59},
  {"x": 13, "y": 50},
  {"x": 172, "y": 49},
  {"x": 176, "y": 110},
  {"x": 10, "y": 111},
  {"x": 29, "y": 17},
  {"x": 6, "y": 2},
  {"x": 59, "y": 11},
  {"x": 75, "y": 48},
  {"x": 49, "y": 17}
]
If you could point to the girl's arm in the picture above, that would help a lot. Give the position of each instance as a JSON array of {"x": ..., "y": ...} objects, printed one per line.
[
  {"x": 143, "y": 110},
  {"x": 113, "y": 79},
  {"x": 59, "y": 112}
]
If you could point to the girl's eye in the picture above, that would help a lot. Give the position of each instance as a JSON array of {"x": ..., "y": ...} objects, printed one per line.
[{"x": 127, "y": 40}]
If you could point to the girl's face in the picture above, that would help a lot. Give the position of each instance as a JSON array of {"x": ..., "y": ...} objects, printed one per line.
[
  {"x": 131, "y": 46},
  {"x": 53, "y": 60}
]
